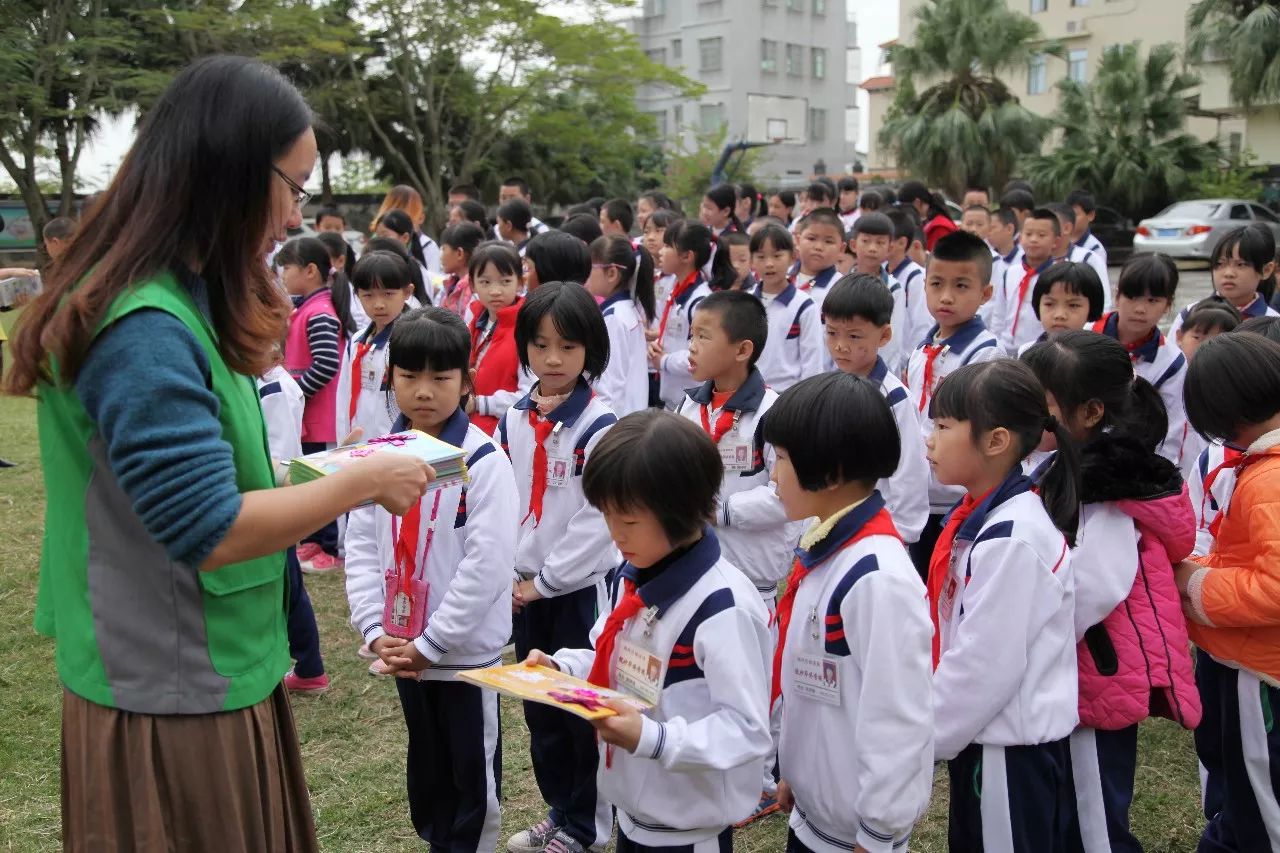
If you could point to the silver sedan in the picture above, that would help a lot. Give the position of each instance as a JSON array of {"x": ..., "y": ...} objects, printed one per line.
[{"x": 1191, "y": 229}]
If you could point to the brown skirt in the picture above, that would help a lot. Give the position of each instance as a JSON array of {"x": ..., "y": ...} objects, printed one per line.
[{"x": 230, "y": 782}]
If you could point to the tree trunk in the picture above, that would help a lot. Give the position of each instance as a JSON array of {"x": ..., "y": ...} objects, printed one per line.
[{"x": 326, "y": 184}]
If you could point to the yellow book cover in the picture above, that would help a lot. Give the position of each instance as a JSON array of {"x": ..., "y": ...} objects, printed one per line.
[{"x": 550, "y": 687}]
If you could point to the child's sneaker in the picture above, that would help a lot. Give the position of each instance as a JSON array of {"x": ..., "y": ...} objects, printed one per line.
[
  {"x": 366, "y": 653},
  {"x": 535, "y": 839},
  {"x": 295, "y": 683},
  {"x": 563, "y": 842},
  {"x": 378, "y": 668},
  {"x": 768, "y": 805},
  {"x": 322, "y": 562},
  {"x": 307, "y": 550}
]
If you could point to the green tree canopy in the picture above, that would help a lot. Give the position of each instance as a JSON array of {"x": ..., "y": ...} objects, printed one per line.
[
  {"x": 1246, "y": 35},
  {"x": 967, "y": 126},
  {"x": 1123, "y": 135}
]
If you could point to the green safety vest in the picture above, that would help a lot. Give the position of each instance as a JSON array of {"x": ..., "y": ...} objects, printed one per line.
[{"x": 134, "y": 629}]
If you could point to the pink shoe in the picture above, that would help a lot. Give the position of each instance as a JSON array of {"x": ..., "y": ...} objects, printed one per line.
[
  {"x": 366, "y": 653},
  {"x": 323, "y": 562},
  {"x": 307, "y": 550},
  {"x": 379, "y": 668},
  {"x": 295, "y": 683}
]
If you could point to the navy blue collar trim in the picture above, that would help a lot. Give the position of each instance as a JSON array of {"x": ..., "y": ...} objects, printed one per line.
[
  {"x": 961, "y": 338},
  {"x": 746, "y": 399},
  {"x": 379, "y": 339},
  {"x": 879, "y": 372},
  {"x": 664, "y": 583},
  {"x": 453, "y": 432},
  {"x": 620, "y": 296},
  {"x": 1044, "y": 266},
  {"x": 899, "y": 268},
  {"x": 844, "y": 530},
  {"x": 1015, "y": 484},
  {"x": 1040, "y": 470},
  {"x": 1008, "y": 259},
  {"x": 1256, "y": 308},
  {"x": 1150, "y": 348},
  {"x": 782, "y": 297},
  {"x": 569, "y": 411},
  {"x": 822, "y": 279},
  {"x": 684, "y": 297},
  {"x": 1084, "y": 238}
]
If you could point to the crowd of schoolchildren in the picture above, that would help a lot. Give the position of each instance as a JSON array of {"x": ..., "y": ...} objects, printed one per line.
[{"x": 875, "y": 489}]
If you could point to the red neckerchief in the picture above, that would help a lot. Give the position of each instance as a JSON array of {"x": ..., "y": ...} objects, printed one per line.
[
  {"x": 362, "y": 350},
  {"x": 931, "y": 353},
  {"x": 1029, "y": 272},
  {"x": 542, "y": 427},
  {"x": 940, "y": 561},
  {"x": 879, "y": 524},
  {"x": 1232, "y": 460},
  {"x": 676, "y": 292},
  {"x": 723, "y": 423}
]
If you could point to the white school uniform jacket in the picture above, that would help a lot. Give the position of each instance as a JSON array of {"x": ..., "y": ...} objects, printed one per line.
[
  {"x": 1257, "y": 308},
  {"x": 859, "y": 760},
  {"x": 817, "y": 286},
  {"x": 916, "y": 319},
  {"x": 999, "y": 263},
  {"x": 1209, "y": 505},
  {"x": 796, "y": 346},
  {"x": 898, "y": 350},
  {"x": 1104, "y": 563},
  {"x": 907, "y": 491},
  {"x": 698, "y": 765},
  {"x": 375, "y": 408},
  {"x": 1006, "y": 628},
  {"x": 282, "y": 404},
  {"x": 468, "y": 565},
  {"x": 1166, "y": 369},
  {"x": 674, "y": 376},
  {"x": 751, "y": 524},
  {"x": 624, "y": 385},
  {"x": 569, "y": 548},
  {"x": 1013, "y": 318},
  {"x": 970, "y": 344},
  {"x": 1089, "y": 250}
]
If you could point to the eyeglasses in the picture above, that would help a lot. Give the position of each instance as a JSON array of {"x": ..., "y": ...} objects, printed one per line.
[{"x": 300, "y": 196}]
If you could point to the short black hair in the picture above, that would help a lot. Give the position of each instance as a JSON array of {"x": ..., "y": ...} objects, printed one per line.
[
  {"x": 619, "y": 210},
  {"x": 559, "y": 256},
  {"x": 1080, "y": 279},
  {"x": 847, "y": 183},
  {"x": 327, "y": 212},
  {"x": 469, "y": 190},
  {"x": 576, "y": 317},
  {"x": 1233, "y": 382},
  {"x": 1066, "y": 213},
  {"x": 870, "y": 200},
  {"x": 474, "y": 212},
  {"x": 1148, "y": 274},
  {"x": 584, "y": 226},
  {"x": 776, "y": 236},
  {"x": 519, "y": 183},
  {"x": 818, "y": 190},
  {"x": 465, "y": 236},
  {"x": 1006, "y": 216},
  {"x": 1257, "y": 246},
  {"x": 502, "y": 255},
  {"x": 905, "y": 224},
  {"x": 975, "y": 187},
  {"x": 660, "y": 462},
  {"x": 430, "y": 338},
  {"x": 1045, "y": 214},
  {"x": 978, "y": 208},
  {"x": 859, "y": 295},
  {"x": 517, "y": 213},
  {"x": 1082, "y": 199},
  {"x": 59, "y": 228},
  {"x": 1018, "y": 200},
  {"x": 874, "y": 224},
  {"x": 961, "y": 246},
  {"x": 742, "y": 316},
  {"x": 822, "y": 216},
  {"x": 381, "y": 270},
  {"x": 1267, "y": 326},
  {"x": 913, "y": 191},
  {"x": 1216, "y": 315},
  {"x": 813, "y": 420}
]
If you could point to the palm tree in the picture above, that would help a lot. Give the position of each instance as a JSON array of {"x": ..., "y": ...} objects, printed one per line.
[
  {"x": 1123, "y": 135},
  {"x": 968, "y": 127},
  {"x": 1246, "y": 34}
]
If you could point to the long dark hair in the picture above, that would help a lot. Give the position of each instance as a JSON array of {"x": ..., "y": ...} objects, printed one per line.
[
  {"x": 725, "y": 196},
  {"x": 1006, "y": 394},
  {"x": 307, "y": 251},
  {"x": 634, "y": 265},
  {"x": 195, "y": 189},
  {"x": 400, "y": 223},
  {"x": 690, "y": 236}
]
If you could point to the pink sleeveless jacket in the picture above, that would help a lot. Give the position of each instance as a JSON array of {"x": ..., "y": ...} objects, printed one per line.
[
  {"x": 1142, "y": 648},
  {"x": 319, "y": 416}
]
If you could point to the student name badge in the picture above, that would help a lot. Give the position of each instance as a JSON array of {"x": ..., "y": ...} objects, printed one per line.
[
  {"x": 817, "y": 677},
  {"x": 639, "y": 671},
  {"x": 735, "y": 453},
  {"x": 559, "y": 471},
  {"x": 675, "y": 325}
]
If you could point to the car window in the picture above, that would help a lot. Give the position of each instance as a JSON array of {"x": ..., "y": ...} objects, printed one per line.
[
  {"x": 1191, "y": 210},
  {"x": 1106, "y": 216},
  {"x": 1240, "y": 211},
  {"x": 1260, "y": 212}
]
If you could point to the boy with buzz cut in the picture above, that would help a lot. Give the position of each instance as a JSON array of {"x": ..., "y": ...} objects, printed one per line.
[
  {"x": 819, "y": 239},
  {"x": 857, "y": 316},
  {"x": 728, "y": 335},
  {"x": 957, "y": 282},
  {"x": 872, "y": 241},
  {"x": 1013, "y": 319},
  {"x": 1082, "y": 237},
  {"x": 853, "y": 665}
]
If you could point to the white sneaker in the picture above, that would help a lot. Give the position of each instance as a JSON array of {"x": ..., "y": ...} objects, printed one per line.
[{"x": 534, "y": 839}]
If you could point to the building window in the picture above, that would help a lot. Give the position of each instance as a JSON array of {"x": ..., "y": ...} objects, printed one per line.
[
  {"x": 711, "y": 117},
  {"x": 1037, "y": 75},
  {"x": 818, "y": 59},
  {"x": 1039, "y": 6},
  {"x": 678, "y": 116},
  {"x": 768, "y": 2},
  {"x": 658, "y": 55},
  {"x": 710, "y": 54},
  {"x": 768, "y": 55},
  {"x": 1078, "y": 65},
  {"x": 819, "y": 7},
  {"x": 656, "y": 7},
  {"x": 677, "y": 50},
  {"x": 795, "y": 5},
  {"x": 817, "y": 125},
  {"x": 660, "y": 122},
  {"x": 1079, "y": 2},
  {"x": 795, "y": 60}
]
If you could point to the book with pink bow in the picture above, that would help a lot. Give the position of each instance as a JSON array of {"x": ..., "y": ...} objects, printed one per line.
[
  {"x": 449, "y": 462},
  {"x": 548, "y": 686}
]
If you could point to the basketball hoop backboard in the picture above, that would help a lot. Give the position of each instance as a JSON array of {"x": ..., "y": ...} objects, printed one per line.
[{"x": 778, "y": 119}]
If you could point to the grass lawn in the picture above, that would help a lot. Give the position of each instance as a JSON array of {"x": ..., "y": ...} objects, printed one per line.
[{"x": 353, "y": 737}]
